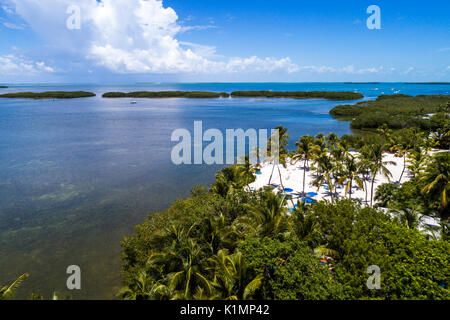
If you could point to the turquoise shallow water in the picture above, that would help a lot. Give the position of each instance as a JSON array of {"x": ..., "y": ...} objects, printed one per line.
[{"x": 77, "y": 175}]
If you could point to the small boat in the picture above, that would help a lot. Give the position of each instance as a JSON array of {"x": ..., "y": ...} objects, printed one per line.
[{"x": 133, "y": 102}]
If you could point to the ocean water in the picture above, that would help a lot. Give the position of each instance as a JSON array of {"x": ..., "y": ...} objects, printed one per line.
[{"x": 78, "y": 175}]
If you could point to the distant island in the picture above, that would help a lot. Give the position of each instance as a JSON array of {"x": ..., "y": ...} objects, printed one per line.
[
  {"x": 248, "y": 94},
  {"x": 396, "y": 111},
  {"x": 445, "y": 83},
  {"x": 3, "y": 87},
  {"x": 329, "y": 95},
  {"x": 362, "y": 82},
  {"x": 48, "y": 95},
  {"x": 165, "y": 94}
]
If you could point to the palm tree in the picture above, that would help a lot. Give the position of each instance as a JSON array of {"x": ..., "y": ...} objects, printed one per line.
[
  {"x": 227, "y": 181},
  {"x": 324, "y": 168},
  {"x": 283, "y": 142},
  {"x": 407, "y": 141},
  {"x": 365, "y": 162},
  {"x": 386, "y": 194},
  {"x": 437, "y": 180},
  {"x": 232, "y": 280},
  {"x": 351, "y": 169},
  {"x": 332, "y": 140},
  {"x": 218, "y": 233},
  {"x": 385, "y": 132},
  {"x": 181, "y": 263},
  {"x": 418, "y": 159},
  {"x": 377, "y": 165},
  {"x": 319, "y": 142},
  {"x": 268, "y": 218},
  {"x": 305, "y": 151},
  {"x": 190, "y": 277},
  {"x": 142, "y": 287},
  {"x": 8, "y": 292},
  {"x": 247, "y": 172},
  {"x": 305, "y": 226},
  {"x": 409, "y": 217}
]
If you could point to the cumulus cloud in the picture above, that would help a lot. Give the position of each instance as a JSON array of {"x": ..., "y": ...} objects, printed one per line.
[
  {"x": 17, "y": 65},
  {"x": 134, "y": 36}
]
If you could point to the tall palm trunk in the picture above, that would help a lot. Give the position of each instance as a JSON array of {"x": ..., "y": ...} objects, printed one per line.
[
  {"x": 371, "y": 192},
  {"x": 282, "y": 186},
  {"x": 350, "y": 190},
  {"x": 365, "y": 186},
  {"x": 281, "y": 180},
  {"x": 271, "y": 174},
  {"x": 404, "y": 168},
  {"x": 330, "y": 187},
  {"x": 304, "y": 178}
]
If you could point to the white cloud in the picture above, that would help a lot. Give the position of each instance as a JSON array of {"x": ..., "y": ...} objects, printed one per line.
[
  {"x": 260, "y": 65},
  {"x": 444, "y": 49},
  {"x": 350, "y": 69},
  {"x": 134, "y": 36},
  {"x": 7, "y": 9},
  {"x": 195, "y": 28},
  {"x": 10, "y": 25},
  {"x": 17, "y": 65},
  {"x": 409, "y": 70}
]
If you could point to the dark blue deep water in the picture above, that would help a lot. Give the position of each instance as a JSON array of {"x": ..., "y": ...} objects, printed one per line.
[{"x": 78, "y": 175}]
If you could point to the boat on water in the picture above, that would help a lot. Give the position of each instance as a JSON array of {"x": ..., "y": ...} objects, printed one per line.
[{"x": 133, "y": 102}]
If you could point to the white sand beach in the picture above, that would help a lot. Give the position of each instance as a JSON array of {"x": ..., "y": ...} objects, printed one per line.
[{"x": 292, "y": 177}]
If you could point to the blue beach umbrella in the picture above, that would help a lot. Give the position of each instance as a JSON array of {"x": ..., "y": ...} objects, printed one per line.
[
  {"x": 312, "y": 194},
  {"x": 288, "y": 190},
  {"x": 307, "y": 200}
]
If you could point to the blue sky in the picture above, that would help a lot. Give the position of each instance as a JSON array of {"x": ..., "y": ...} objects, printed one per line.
[{"x": 174, "y": 40}]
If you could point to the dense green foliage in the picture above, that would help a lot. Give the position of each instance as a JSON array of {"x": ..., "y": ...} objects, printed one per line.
[
  {"x": 329, "y": 95},
  {"x": 291, "y": 271},
  {"x": 166, "y": 94},
  {"x": 49, "y": 95},
  {"x": 231, "y": 243},
  {"x": 397, "y": 111},
  {"x": 267, "y": 94}
]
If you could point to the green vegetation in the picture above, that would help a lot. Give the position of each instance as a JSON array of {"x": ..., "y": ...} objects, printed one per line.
[
  {"x": 166, "y": 94},
  {"x": 266, "y": 94},
  {"x": 329, "y": 95},
  {"x": 49, "y": 95},
  {"x": 231, "y": 243},
  {"x": 8, "y": 292},
  {"x": 398, "y": 111}
]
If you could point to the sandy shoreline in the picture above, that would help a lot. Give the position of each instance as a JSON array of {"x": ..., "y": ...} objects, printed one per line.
[{"x": 292, "y": 177}]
